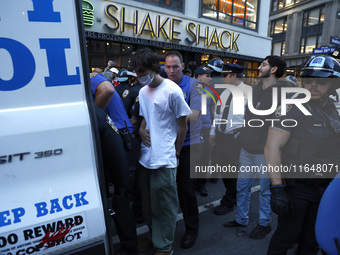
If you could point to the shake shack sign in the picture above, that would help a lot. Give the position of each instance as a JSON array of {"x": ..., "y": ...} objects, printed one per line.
[{"x": 134, "y": 23}]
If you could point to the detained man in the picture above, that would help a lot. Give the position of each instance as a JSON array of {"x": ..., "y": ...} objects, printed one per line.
[{"x": 162, "y": 131}]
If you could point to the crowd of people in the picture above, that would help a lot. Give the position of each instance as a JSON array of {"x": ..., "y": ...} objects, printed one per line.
[{"x": 157, "y": 110}]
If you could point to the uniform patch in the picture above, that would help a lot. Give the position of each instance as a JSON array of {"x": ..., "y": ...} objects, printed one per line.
[
  {"x": 125, "y": 93},
  {"x": 92, "y": 75},
  {"x": 278, "y": 112},
  {"x": 317, "y": 62},
  {"x": 111, "y": 124},
  {"x": 199, "y": 88},
  {"x": 137, "y": 99}
]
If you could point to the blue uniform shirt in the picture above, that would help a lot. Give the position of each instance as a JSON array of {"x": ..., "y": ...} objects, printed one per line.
[
  {"x": 193, "y": 99},
  {"x": 115, "y": 108}
]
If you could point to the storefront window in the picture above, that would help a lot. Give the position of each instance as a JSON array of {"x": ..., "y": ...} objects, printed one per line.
[
  {"x": 241, "y": 13},
  {"x": 172, "y": 4}
]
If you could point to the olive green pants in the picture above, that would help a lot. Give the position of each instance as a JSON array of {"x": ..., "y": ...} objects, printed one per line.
[{"x": 159, "y": 204}]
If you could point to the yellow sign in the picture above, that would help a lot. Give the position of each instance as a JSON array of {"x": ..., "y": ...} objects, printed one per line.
[{"x": 168, "y": 28}]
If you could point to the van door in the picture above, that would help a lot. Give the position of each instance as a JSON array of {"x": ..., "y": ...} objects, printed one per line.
[{"x": 50, "y": 197}]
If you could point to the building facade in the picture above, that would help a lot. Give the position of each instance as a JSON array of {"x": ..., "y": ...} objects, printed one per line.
[
  {"x": 301, "y": 28},
  {"x": 233, "y": 30}
]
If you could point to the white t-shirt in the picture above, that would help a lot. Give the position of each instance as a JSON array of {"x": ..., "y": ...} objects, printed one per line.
[{"x": 161, "y": 107}]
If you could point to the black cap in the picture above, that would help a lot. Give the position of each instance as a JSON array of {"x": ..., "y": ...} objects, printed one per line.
[
  {"x": 232, "y": 68},
  {"x": 202, "y": 70}
]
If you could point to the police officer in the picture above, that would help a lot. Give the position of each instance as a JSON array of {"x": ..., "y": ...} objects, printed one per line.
[
  {"x": 106, "y": 97},
  {"x": 191, "y": 150},
  {"x": 310, "y": 144},
  {"x": 215, "y": 64},
  {"x": 203, "y": 75},
  {"x": 222, "y": 136},
  {"x": 128, "y": 88},
  {"x": 115, "y": 165}
]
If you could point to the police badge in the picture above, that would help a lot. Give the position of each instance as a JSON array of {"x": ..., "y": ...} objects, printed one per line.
[{"x": 125, "y": 93}]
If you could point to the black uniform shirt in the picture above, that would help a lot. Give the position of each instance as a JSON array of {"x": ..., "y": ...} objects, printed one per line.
[
  {"x": 313, "y": 141},
  {"x": 128, "y": 95}
]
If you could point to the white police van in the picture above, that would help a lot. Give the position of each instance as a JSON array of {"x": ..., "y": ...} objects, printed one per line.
[{"x": 51, "y": 197}]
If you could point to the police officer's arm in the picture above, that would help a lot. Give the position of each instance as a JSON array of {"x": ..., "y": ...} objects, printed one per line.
[
  {"x": 183, "y": 128},
  {"x": 104, "y": 93},
  {"x": 276, "y": 140}
]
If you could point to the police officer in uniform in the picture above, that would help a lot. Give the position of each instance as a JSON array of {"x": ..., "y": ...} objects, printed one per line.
[
  {"x": 203, "y": 75},
  {"x": 128, "y": 89},
  {"x": 191, "y": 150},
  {"x": 309, "y": 144},
  {"x": 222, "y": 136},
  {"x": 215, "y": 64},
  {"x": 115, "y": 165}
]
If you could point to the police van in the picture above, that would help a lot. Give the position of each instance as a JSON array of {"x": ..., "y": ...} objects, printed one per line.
[{"x": 52, "y": 197}]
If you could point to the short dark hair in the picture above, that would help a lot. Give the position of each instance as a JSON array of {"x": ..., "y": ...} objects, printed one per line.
[
  {"x": 144, "y": 59},
  {"x": 175, "y": 53},
  {"x": 238, "y": 75},
  {"x": 277, "y": 61}
]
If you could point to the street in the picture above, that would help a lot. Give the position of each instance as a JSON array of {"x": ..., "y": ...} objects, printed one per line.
[{"x": 213, "y": 237}]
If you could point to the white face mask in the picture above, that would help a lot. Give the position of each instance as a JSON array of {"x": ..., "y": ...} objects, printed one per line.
[{"x": 145, "y": 80}]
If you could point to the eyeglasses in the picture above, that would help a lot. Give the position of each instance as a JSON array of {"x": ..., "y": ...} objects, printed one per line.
[{"x": 263, "y": 64}]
